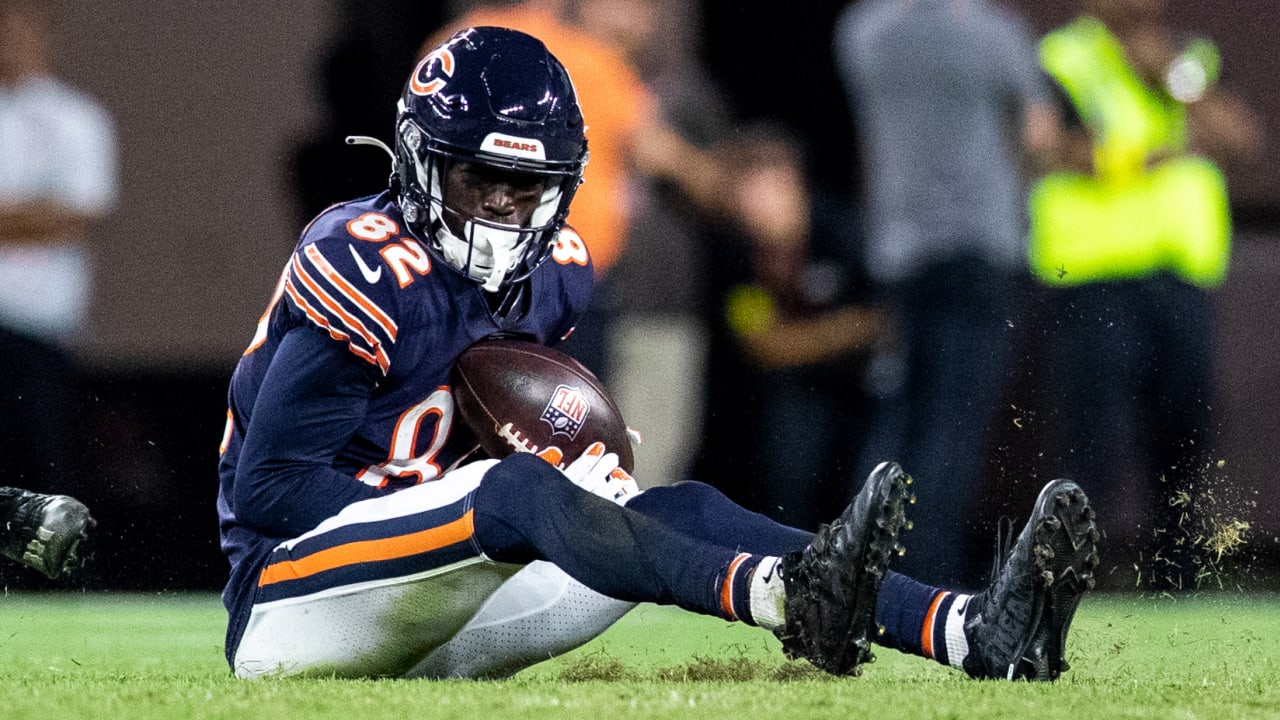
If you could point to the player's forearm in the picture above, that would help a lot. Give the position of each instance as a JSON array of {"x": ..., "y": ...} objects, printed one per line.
[
  {"x": 293, "y": 498},
  {"x": 39, "y": 222},
  {"x": 826, "y": 337},
  {"x": 1223, "y": 127},
  {"x": 311, "y": 404}
]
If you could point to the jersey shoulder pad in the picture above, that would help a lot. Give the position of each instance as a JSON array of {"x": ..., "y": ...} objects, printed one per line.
[
  {"x": 561, "y": 289},
  {"x": 343, "y": 275},
  {"x": 572, "y": 263},
  {"x": 570, "y": 249}
]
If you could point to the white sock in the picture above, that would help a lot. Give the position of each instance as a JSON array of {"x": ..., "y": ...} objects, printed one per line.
[
  {"x": 768, "y": 597},
  {"x": 957, "y": 645}
]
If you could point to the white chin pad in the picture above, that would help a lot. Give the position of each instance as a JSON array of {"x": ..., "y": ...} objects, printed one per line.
[{"x": 493, "y": 252}]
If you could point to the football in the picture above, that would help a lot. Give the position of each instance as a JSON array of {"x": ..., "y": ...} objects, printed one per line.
[{"x": 519, "y": 396}]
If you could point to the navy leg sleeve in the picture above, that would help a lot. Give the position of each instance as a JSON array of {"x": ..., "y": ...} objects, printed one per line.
[
  {"x": 703, "y": 512},
  {"x": 527, "y": 510}
]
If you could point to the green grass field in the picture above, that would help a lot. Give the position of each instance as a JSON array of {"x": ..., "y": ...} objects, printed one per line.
[{"x": 160, "y": 656}]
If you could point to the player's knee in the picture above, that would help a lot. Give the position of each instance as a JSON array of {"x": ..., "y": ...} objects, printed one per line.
[
  {"x": 518, "y": 500},
  {"x": 525, "y": 479},
  {"x": 684, "y": 494}
]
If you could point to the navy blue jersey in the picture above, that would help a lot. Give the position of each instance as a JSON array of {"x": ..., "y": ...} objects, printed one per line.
[{"x": 343, "y": 394}]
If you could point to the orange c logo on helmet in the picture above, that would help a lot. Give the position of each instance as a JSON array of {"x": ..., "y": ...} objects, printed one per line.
[{"x": 445, "y": 56}]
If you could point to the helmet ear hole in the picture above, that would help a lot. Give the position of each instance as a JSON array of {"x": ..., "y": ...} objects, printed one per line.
[{"x": 495, "y": 97}]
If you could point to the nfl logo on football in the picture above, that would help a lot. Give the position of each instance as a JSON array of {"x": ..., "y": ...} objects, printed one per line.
[{"x": 567, "y": 411}]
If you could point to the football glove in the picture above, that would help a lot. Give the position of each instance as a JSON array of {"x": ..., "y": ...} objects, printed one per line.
[{"x": 597, "y": 472}]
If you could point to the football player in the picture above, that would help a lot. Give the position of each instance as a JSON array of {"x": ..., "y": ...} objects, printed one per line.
[
  {"x": 43, "y": 532},
  {"x": 364, "y": 543}
]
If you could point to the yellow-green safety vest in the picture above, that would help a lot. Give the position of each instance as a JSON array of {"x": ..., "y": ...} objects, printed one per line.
[{"x": 1132, "y": 217}]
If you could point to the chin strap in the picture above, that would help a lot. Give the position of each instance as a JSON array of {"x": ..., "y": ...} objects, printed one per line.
[
  {"x": 501, "y": 261},
  {"x": 488, "y": 258}
]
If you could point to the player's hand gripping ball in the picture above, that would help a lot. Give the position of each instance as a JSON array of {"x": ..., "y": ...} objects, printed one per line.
[{"x": 519, "y": 396}]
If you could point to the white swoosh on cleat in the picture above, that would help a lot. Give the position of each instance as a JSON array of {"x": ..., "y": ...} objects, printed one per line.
[{"x": 371, "y": 275}]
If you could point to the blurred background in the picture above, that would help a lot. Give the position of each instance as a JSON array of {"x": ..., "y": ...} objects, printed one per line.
[{"x": 230, "y": 118}]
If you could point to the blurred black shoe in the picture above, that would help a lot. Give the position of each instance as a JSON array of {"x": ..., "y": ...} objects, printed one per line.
[{"x": 42, "y": 532}]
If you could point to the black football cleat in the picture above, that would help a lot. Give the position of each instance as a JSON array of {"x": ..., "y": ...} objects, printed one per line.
[
  {"x": 831, "y": 585},
  {"x": 1017, "y": 627},
  {"x": 42, "y": 532}
]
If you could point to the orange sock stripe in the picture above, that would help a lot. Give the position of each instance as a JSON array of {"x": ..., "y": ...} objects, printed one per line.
[
  {"x": 726, "y": 589},
  {"x": 926, "y": 636},
  {"x": 370, "y": 551}
]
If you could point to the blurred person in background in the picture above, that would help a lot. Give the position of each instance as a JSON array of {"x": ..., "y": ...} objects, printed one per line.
[
  {"x": 374, "y": 44},
  {"x": 657, "y": 289},
  {"x": 948, "y": 105},
  {"x": 1132, "y": 232},
  {"x": 57, "y": 176},
  {"x": 793, "y": 409}
]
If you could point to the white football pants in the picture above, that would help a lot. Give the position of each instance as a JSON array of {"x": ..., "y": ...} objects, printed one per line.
[{"x": 471, "y": 618}]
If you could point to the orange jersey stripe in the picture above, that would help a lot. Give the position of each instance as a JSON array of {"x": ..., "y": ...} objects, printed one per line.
[
  {"x": 226, "y": 433},
  {"x": 371, "y": 551},
  {"x": 260, "y": 333},
  {"x": 926, "y": 635},
  {"x": 350, "y": 321},
  {"x": 726, "y": 590},
  {"x": 380, "y": 360},
  {"x": 357, "y": 298}
]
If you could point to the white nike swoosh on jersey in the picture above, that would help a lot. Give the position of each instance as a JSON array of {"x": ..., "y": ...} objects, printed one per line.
[{"x": 371, "y": 275}]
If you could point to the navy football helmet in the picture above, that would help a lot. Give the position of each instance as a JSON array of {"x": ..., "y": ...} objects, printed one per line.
[{"x": 496, "y": 97}]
